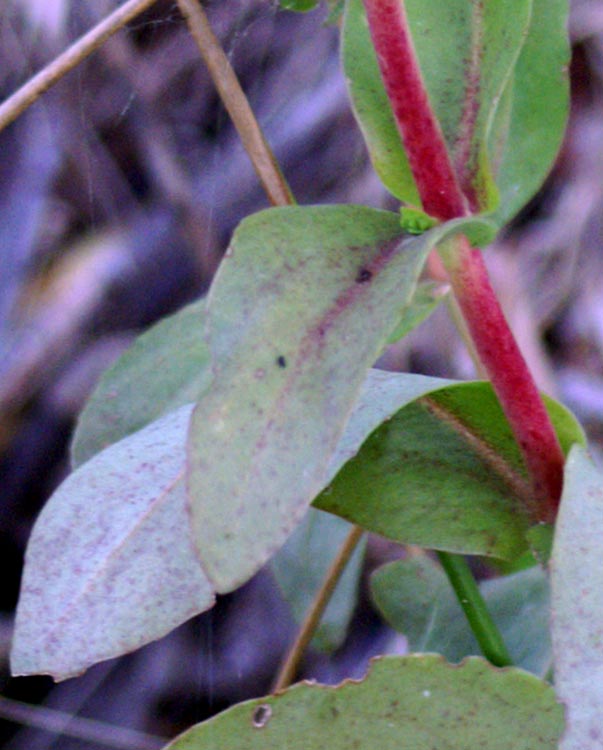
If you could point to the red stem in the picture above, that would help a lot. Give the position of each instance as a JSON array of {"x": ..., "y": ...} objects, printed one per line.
[
  {"x": 442, "y": 197},
  {"x": 420, "y": 131},
  {"x": 511, "y": 379}
]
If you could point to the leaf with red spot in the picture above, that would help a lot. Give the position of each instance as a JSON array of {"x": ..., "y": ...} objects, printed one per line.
[
  {"x": 110, "y": 564},
  {"x": 301, "y": 308}
]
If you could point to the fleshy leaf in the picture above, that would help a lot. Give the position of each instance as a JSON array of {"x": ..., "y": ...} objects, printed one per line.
[
  {"x": 301, "y": 565},
  {"x": 415, "y": 220},
  {"x": 426, "y": 298},
  {"x": 302, "y": 306},
  {"x": 540, "y": 539},
  {"x": 301, "y": 6},
  {"x": 445, "y": 473},
  {"x": 577, "y": 602},
  {"x": 531, "y": 120},
  {"x": 166, "y": 367},
  {"x": 467, "y": 53},
  {"x": 89, "y": 503},
  {"x": 415, "y": 597},
  {"x": 110, "y": 564},
  {"x": 404, "y": 702},
  {"x": 371, "y": 106}
]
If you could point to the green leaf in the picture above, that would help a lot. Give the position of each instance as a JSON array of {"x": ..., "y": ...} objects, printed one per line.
[
  {"x": 336, "y": 8},
  {"x": 445, "y": 472},
  {"x": 415, "y": 221},
  {"x": 88, "y": 512},
  {"x": 533, "y": 116},
  {"x": 302, "y": 306},
  {"x": 166, "y": 367},
  {"x": 301, "y": 6},
  {"x": 415, "y": 597},
  {"x": 404, "y": 702},
  {"x": 467, "y": 52},
  {"x": 65, "y": 587},
  {"x": 371, "y": 106},
  {"x": 427, "y": 296},
  {"x": 110, "y": 564},
  {"x": 577, "y": 601},
  {"x": 300, "y": 568},
  {"x": 540, "y": 539}
]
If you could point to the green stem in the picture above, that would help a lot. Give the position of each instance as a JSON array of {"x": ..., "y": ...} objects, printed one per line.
[{"x": 485, "y": 630}]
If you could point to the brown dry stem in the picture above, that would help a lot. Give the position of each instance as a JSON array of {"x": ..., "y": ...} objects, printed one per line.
[
  {"x": 236, "y": 104},
  {"x": 316, "y": 611},
  {"x": 30, "y": 92}
]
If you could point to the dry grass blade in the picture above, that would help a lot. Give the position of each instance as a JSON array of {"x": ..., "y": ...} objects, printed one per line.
[
  {"x": 306, "y": 632},
  {"x": 237, "y": 105},
  {"x": 88, "y": 730},
  {"x": 16, "y": 104}
]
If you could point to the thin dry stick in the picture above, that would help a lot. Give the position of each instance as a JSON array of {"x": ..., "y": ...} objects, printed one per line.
[
  {"x": 16, "y": 104},
  {"x": 237, "y": 105},
  {"x": 88, "y": 730},
  {"x": 279, "y": 194},
  {"x": 289, "y": 667}
]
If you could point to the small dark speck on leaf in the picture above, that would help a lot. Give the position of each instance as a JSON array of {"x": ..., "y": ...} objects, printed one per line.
[
  {"x": 261, "y": 716},
  {"x": 281, "y": 361},
  {"x": 363, "y": 276}
]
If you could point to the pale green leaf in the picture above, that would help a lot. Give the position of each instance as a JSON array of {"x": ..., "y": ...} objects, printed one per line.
[
  {"x": 300, "y": 567},
  {"x": 302, "y": 306},
  {"x": 467, "y": 52},
  {"x": 426, "y": 298},
  {"x": 532, "y": 119},
  {"x": 446, "y": 473},
  {"x": 88, "y": 512},
  {"x": 415, "y": 597},
  {"x": 412, "y": 702},
  {"x": 166, "y": 367},
  {"x": 577, "y": 601},
  {"x": 371, "y": 106},
  {"x": 110, "y": 564}
]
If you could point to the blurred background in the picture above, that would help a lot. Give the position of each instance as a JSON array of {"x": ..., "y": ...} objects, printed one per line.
[{"x": 119, "y": 191}]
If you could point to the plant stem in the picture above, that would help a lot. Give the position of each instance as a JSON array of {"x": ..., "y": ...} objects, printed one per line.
[
  {"x": 487, "y": 634},
  {"x": 287, "y": 672},
  {"x": 236, "y": 104},
  {"x": 279, "y": 194},
  {"x": 442, "y": 197},
  {"x": 18, "y": 102},
  {"x": 419, "y": 129},
  {"x": 508, "y": 371}
]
